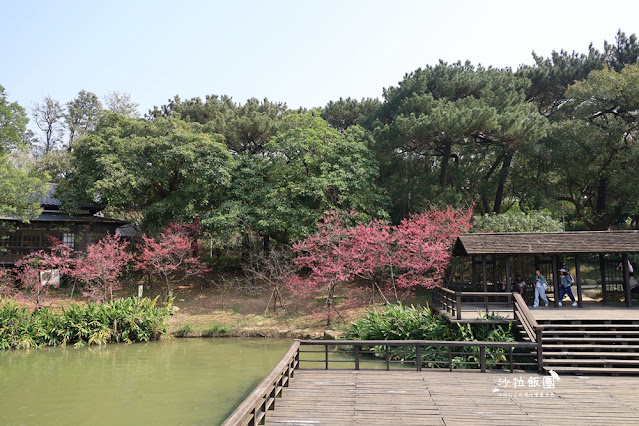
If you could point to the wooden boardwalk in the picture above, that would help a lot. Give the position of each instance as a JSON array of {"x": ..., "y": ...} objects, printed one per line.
[{"x": 340, "y": 397}]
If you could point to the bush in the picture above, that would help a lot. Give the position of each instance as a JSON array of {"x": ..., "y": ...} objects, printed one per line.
[
  {"x": 398, "y": 322},
  {"x": 517, "y": 222},
  {"x": 127, "y": 320}
]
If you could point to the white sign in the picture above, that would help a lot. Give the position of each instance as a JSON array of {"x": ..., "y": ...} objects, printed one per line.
[
  {"x": 140, "y": 288},
  {"x": 50, "y": 277}
]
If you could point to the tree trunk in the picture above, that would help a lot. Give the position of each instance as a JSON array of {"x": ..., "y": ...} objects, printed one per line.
[
  {"x": 503, "y": 176},
  {"x": 448, "y": 148}
]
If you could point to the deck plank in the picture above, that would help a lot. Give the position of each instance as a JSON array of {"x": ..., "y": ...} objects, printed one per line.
[{"x": 450, "y": 398}]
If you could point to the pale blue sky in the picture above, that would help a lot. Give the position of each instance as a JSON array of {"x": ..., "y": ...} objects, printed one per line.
[{"x": 300, "y": 52}]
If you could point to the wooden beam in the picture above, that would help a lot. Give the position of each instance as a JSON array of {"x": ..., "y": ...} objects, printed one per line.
[
  {"x": 508, "y": 283},
  {"x": 555, "y": 280},
  {"x": 602, "y": 271},
  {"x": 578, "y": 277},
  {"x": 626, "y": 279}
]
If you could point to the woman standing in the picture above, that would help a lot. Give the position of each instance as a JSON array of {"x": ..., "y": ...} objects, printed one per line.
[{"x": 540, "y": 288}]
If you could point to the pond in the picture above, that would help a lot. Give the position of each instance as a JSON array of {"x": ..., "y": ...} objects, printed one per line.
[{"x": 180, "y": 381}]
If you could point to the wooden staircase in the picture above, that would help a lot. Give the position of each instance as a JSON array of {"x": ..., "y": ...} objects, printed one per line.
[{"x": 591, "y": 346}]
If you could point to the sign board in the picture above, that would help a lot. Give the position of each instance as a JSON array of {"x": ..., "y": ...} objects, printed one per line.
[
  {"x": 50, "y": 277},
  {"x": 140, "y": 288}
]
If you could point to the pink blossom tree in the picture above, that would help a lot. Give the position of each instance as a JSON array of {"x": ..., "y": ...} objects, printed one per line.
[
  {"x": 394, "y": 259},
  {"x": 101, "y": 268},
  {"x": 171, "y": 256}
]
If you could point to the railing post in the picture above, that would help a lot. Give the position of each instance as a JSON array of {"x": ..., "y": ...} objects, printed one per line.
[
  {"x": 356, "y": 357},
  {"x": 418, "y": 357},
  {"x": 387, "y": 358},
  {"x": 482, "y": 358},
  {"x": 450, "y": 358},
  {"x": 512, "y": 366},
  {"x": 458, "y": 303},
  {"x": 540, "y": 349},
  {"x": 326, "y": 356}
]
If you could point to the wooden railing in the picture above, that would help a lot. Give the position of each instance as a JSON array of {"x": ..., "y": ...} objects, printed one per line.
[
  {"x": 533, "y": 331},
  {"x": 450, "y": 301},
  {"x": 422, "y": 350},
  {"x": 253, "y": 409}
]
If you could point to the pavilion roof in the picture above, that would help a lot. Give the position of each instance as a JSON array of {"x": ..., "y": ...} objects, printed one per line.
[{"x": 514, "y": 243}]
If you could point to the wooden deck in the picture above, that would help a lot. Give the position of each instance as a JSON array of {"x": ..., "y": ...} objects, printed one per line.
[
  {"x": 591, "y": 310},
  {"x": 433, "y": 397}
]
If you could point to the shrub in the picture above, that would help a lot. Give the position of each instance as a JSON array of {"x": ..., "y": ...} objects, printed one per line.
[
  {"x": 128, "y": 320},
  {"x": 398, "y": 322}
]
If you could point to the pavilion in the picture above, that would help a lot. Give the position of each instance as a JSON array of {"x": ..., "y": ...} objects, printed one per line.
[{"x": 548, "y": 248}]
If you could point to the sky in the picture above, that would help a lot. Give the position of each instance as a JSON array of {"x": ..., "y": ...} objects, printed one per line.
[{"x": 303, "y": 53}]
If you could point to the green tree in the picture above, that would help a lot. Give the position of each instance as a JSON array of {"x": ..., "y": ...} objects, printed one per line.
[
  {"x": 148, "y": 171},
  {"x": 121, "y": 103},
  {"x": 517, "y": 222},
  {"x": 348, "y": 112},
  {"x": 453, "y": 132},
  {"x": 20, "y": 182},
  {"x": 83, "y": 114},
  {"x": 307, "y": 170},
  {"x": 13, "y": 123},
  {"x": 593, "y": 153}
]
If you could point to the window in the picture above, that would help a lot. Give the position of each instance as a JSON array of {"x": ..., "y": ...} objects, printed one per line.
[{"x": 68, "y": 239}]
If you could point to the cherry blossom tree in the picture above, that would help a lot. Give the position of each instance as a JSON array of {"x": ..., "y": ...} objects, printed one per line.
[
  {"x": 171, "y": 256},
  {"x": 394, "y": 259}
]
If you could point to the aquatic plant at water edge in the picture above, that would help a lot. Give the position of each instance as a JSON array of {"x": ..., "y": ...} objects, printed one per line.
[{"x": 122, "y": 320}]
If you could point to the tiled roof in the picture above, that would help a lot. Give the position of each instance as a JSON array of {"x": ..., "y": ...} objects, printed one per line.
[{"x": 547, "y": 243}]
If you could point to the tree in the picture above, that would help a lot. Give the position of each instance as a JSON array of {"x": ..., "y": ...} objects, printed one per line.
[
  {"x": 121, "y": 103},
  {"x": 517, "y": 222},
  {"x": 13, "y": 123},
  {"x": 100, "y": 269},
  {"x": 148, "y": 171},
  {"x": 83, "y": 114},
  {"x": 348, "y": 112},
  {"x": 171, "y": 256},
  {"x": 21, "y": 185},
  {"x": 592, "y": 152},
  {"x": 306, "y": 170},
  {"x": 452, "y": 133},
  {"x": 624, "y": 51},
  {"x": 395, "y": 259},
  {"x": 49, "y": 116}
]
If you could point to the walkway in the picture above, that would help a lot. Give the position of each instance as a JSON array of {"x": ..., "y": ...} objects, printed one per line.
[{"x": 337, "y": 397}]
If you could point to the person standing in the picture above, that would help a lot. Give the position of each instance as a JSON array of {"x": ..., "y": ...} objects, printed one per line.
[
  {"x": 540, "y": 288},
  {"x": 565, "y": 282}
]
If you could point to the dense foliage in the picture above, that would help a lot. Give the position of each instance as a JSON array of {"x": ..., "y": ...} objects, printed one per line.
[
  {"x": 124, "y": 320},
  {"x": 399, "y": 322}
]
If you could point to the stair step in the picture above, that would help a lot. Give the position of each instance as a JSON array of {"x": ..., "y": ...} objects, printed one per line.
[
  {"x": 586, "y": 370},
  {"x": 592, "y": 332},
  {"x": 585, "y": 340},
  {"x": 588, "y": 326},
  {"x": 587, "y": 354},
  {"x": 579, "y": 362},
  {"x": 588, "y": 347}
]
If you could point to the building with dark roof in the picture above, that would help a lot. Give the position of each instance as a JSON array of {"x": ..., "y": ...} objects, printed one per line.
[{"x": 18, "y": 238}]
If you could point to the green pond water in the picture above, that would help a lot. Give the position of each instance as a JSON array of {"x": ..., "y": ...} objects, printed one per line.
[{"x": 180, "y": 381}]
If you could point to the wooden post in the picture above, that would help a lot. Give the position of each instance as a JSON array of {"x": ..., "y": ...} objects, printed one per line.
[
  {"x": 326, "y": 355},
  {"x": 512, "y": 365},
  {"x": 459, "y": 305},
  {"x": 482, "y": 358},
  {"x": 540, "y": 349},
  {"x": 555, "y": 280},
  {"x": 450, "y": 358},
  {"x": 418, "y": 357},
  {"x": 602, "y": 270},
  {"x": 578, "y": 278},
  {"x": 626, "y": 279},
  {"x": 474, "y": 273},
  {"x": 387, "y": 358},
  {"x": 483, "y": 270},
  {"x": 494, "y": 263},
  {"x": 356, "y": 357},
  {"x": 508, "y": 283}
]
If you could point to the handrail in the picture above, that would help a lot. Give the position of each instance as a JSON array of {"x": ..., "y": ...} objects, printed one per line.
[
  {"x": 253, "y": 409},
  {"x": 417, "y": 344},
  {"x": 451, "y": 301},
  {"x": 533, "y": 330}
]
